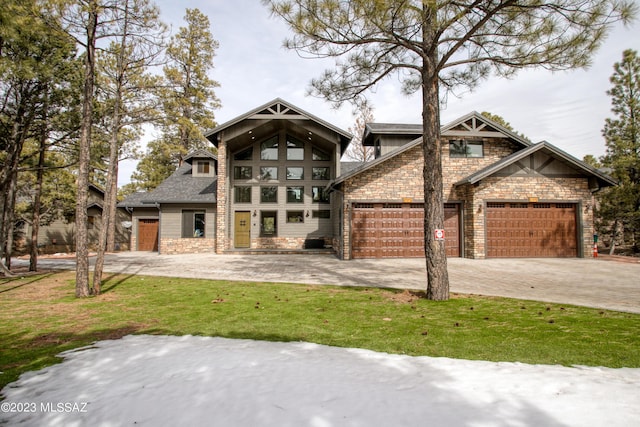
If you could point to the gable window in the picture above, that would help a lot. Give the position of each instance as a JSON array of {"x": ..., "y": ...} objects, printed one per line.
[
  {"x": 319, "y": 195},
  {"x": 466, "y": 149},
  {"x": 269, "y": 149},
  {"x": 295, "y": 194},
  {"x": 268, "y": 173},
  {"x": 246, "y": 154},
  {"x": 192, "y": 224},
  {"x": 295, "y": 217},
  {"x": 268, "y": 223},
  {"x": 319, "y": 155},
  {"x": 295, "y": 149},
  {"x": 242, "y": 194},
  {"x": 295, "y": 173},
  {"x": 268, "y": 194},
  {"x": 242, "y": 172},
  {"x": 321, "y": 173},
  {"x": 202, "y": 167}
]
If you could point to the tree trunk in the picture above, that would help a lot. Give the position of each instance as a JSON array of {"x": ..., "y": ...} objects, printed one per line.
[
  {"x": 35, "y": 219},
  {"x": 82, "y": 248},
  {"x": 436, "y": 260}
]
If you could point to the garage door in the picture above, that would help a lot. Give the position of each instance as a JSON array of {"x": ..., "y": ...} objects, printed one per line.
[
  {"x": 396, "y": 230},
  {"x": 147, "y": 234},
  {"x": 531, "y": 230}
]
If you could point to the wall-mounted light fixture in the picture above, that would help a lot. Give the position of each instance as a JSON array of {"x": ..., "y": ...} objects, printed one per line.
[
  {"x": 307, "y": 215},
  {"x": 255, "y": 213}
]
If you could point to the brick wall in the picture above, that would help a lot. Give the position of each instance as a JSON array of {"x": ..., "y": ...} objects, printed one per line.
[{"x": 400, "y": 178}]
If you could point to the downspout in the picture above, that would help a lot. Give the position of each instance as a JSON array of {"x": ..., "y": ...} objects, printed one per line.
[{"x": 159, "y": 225}]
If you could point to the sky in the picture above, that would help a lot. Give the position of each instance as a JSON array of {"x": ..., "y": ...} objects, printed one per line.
[
  {"x": 202, "y": 381},
  {"x": 567, "y": 109}
]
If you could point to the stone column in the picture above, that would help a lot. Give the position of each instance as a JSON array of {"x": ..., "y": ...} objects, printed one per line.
[{"x": 221, "y": 199}]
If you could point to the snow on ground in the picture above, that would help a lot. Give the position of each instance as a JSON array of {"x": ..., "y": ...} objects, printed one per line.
[{"x": 197, "y": 381}]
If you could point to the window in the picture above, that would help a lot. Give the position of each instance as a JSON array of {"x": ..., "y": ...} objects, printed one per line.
[
  {"x": 319, "y": 155},
  {"x": 268, "y": 223},
  {"x": 319, "y": 195},
  {"x": 295, "y": 217},
  {"x": 202, "y": 168},
  {"x": 463, "y": 148},
  {"x": 269, "y": 194},
  {"x": 295, "y": 173},
  {"x": 295, "y": 194},
  {"x": 242, "y": 194},
  {"x": 242, "y": 172},
  {"x": 322, "y": 214},
  {"x": 268, "y": 172},
  {"x": 295, "y": 149},
  {"x": 269, "y": 149},
  {"x": 193, "y": 224},
  {"x": 320, "y": 173},
  {"x": 246, "y": 154}
]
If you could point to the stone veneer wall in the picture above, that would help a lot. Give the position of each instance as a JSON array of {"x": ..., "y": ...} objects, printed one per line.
[
  {"x": 400, "y": 178},
  {"x": 186, "y": 246},
  {"x": 221, "y": 242}
]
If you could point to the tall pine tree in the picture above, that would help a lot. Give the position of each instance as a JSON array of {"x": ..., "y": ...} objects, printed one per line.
[{"x": 620, "y": 206}]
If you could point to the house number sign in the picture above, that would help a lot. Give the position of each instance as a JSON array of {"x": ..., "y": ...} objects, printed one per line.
[{"x": 438, "y": 234}]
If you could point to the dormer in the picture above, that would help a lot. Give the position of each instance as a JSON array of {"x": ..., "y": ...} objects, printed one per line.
[{"x": 203, "y": 164}]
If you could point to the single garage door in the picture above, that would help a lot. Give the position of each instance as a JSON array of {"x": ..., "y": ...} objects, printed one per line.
[
  {"x": 531, "y": 230},
  {"x": 396, "y": 230},
  {"x": 147, "y": 234}
]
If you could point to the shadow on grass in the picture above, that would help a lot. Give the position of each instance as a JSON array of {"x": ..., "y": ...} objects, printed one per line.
[
  {"x": 114, "y": 280},
  {"x": 34, "y": 280}
]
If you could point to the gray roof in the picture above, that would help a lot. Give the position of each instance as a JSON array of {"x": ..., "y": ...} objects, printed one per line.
[
  {"x": 180, "y": 187},
  {"x": 183, "y": 187},
  {"x": 346, "y": 167},
  {"x": 133, "y": 200},
  {"x": 371, "y": 129},
  {"x": 199, "y": 154},
  {"x": 548, "y": 148}
]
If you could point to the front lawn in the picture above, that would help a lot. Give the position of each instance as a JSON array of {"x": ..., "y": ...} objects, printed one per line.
[{"x": 40, "y": 317}]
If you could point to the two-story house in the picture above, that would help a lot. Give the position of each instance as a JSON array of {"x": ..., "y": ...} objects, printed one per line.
[{"x": 277, "y": 183}]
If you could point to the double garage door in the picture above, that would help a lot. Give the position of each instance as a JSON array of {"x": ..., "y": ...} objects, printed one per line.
[
  {"x": 531, "y": 230},
  {"x": 396, "y": 230}
]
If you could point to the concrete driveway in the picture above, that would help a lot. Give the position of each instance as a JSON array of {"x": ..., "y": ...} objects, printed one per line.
[{"x": 589, "y": 282}]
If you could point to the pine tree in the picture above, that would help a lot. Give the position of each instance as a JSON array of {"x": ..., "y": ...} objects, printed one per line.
[
  {"x": 433, "y": 46},
  {"x": 621, "y": 205}
]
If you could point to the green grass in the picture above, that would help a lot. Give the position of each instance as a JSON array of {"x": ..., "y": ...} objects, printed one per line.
[{"x": 40, "y": 317}]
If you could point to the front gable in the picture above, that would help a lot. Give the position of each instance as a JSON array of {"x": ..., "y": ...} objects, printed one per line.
[{"x": 541, "y": 160}]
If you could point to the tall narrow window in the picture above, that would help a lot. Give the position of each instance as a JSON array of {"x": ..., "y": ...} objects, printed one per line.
[
  {"x": 193, "y": 223},
  {"x": 242, "y": 194},
  {"x": 319, "y": 195},
  {"x": 268, "y": 223},
  {"x": 295, "y": 149},
  {"x": 269, "y": 149}
]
